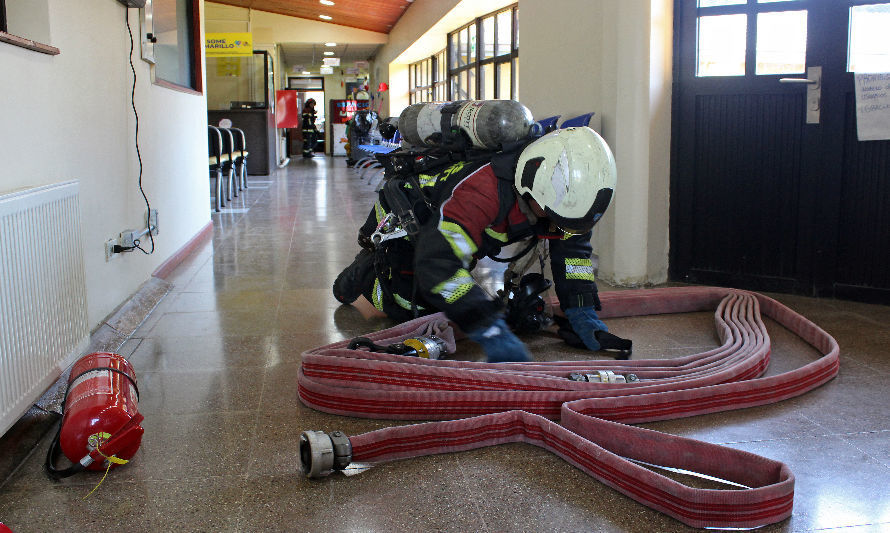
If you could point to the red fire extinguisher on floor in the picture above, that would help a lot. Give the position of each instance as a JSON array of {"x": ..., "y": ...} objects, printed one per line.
[{"x": 100, "y": 426}]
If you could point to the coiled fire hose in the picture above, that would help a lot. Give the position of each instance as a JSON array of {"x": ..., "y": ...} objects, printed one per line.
[{"x": 488, "y": 404}]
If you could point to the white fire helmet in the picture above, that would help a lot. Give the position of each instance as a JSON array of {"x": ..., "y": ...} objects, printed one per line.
[{"x": 571, "y": 174}]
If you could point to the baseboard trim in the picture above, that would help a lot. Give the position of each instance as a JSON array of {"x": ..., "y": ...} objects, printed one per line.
[{"x": 168, "y": 266}]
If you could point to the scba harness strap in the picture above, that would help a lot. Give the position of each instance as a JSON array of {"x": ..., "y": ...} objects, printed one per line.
[{"x": 401, "y": 168}]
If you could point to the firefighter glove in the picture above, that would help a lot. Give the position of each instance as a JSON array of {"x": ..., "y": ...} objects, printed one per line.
[{"x": 500, "y": 344}]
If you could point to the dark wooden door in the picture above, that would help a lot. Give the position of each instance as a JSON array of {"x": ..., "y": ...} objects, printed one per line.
[{"x": 771, "y": 189}]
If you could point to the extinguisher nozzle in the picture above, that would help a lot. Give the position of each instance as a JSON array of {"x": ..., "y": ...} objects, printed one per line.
[{"x": 321, "y": 453}]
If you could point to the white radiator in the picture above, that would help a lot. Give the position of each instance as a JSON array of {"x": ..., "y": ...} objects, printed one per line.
[{"x": 43, "y": 322}]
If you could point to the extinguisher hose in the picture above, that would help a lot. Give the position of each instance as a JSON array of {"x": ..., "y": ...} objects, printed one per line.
[{"x": 52, "y": 454}]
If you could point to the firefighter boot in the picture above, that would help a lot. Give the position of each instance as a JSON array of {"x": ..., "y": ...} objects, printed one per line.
[{"x": 355, "y": 278}]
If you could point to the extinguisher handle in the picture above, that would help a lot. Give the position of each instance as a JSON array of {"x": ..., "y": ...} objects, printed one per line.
[{"x": 120, "y": 436}]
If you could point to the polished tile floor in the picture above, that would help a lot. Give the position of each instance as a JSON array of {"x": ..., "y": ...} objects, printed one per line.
[{"x": 217, "y": 363}]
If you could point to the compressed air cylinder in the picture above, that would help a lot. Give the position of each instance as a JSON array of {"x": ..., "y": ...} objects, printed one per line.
[{"x": 488, "y": 124}]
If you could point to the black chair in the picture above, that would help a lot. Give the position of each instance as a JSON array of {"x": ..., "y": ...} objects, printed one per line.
[
  {"x": 228, "y": 163},
  {"x": 240, "y": 152},
  {"x": 217, "y": 161}
]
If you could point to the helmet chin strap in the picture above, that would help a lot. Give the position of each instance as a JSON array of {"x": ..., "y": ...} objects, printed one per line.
[
  {"x": 530, "y": 208},
  {"x": 537, "y": 209}
]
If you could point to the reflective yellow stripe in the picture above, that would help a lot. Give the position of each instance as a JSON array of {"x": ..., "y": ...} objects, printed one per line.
[
  {"x": 577, "y": 268},
  {"x": 461, "y": 243},
  {"x": 427, "y": 180},
  {"x": 454, "y": 288},
  {"x": 379, "y": 213},
  {"x": 377, "y": 295},
  {"x": 405, "y": 304},
  {"x": 502, "y": 237}
]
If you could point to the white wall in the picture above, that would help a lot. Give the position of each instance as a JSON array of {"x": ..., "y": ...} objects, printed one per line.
[
  {"x": 613, "y": 58},
  {"x": 637, "y": 103},
  {"x": 69, "y": 117}
]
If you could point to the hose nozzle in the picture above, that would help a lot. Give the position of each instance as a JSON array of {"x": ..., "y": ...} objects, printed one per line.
[{"x": 321, "y": 453}]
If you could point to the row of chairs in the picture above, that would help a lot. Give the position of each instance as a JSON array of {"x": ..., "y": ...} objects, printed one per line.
[
  {"x": 366, "y": 156},
  {"x": 228, "y": 157}
]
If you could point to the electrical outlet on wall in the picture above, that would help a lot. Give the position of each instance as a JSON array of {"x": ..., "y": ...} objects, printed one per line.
[
  {"x": 153, "y": 221},
  {"x": 128, "y": 238},
  {"x": 109, "y": 249}
]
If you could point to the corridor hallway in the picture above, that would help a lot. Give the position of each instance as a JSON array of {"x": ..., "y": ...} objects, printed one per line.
[{"x": 217, "y": 363}]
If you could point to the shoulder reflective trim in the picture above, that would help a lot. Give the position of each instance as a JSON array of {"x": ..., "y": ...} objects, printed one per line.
[
  {"x": 460, "y": 241},
  {"x": 377, "y": 295},
  {"x": 577, "y": 268},
  {"x": 502, "y": 237},
  {"x": 455, "y": 287},
  {"x": 427, "y": 180}
]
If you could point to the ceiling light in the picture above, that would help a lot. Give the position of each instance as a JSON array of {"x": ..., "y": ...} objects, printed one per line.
[
  {"x": 330, "y": 44},
  {"x": 325, "y": 17},
  {"x": 326, "y": 2},
  {"x": 306, "y": 72},
  {"x": 329, "y": 53}
]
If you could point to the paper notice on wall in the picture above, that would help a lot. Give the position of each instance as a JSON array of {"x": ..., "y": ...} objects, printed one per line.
[{"x": 873, "y": 106}]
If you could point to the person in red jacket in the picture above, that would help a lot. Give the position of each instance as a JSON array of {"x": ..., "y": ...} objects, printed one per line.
[{"x": 561, "y": 186}]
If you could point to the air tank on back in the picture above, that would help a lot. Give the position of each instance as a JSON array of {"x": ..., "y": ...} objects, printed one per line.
[{"x": 488, "y": 124}]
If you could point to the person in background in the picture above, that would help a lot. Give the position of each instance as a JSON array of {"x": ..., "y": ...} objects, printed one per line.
[{"x": 310, "y": 132}]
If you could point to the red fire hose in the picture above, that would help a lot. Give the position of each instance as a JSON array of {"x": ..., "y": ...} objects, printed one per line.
[{"x": 488, "y": 404}]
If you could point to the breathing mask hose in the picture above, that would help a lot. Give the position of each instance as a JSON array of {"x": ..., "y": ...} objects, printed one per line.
[{"x": 401, "y": 206}]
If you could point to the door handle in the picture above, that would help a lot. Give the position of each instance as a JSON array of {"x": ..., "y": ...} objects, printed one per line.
[
  {"x": 813, "y": 81},
  {"x": 797, "y": 80}
]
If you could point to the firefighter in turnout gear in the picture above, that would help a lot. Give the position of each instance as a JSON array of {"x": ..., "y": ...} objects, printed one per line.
[
  {"x": 557, "y": 189},
  {"x": 308, "y": 128}
]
